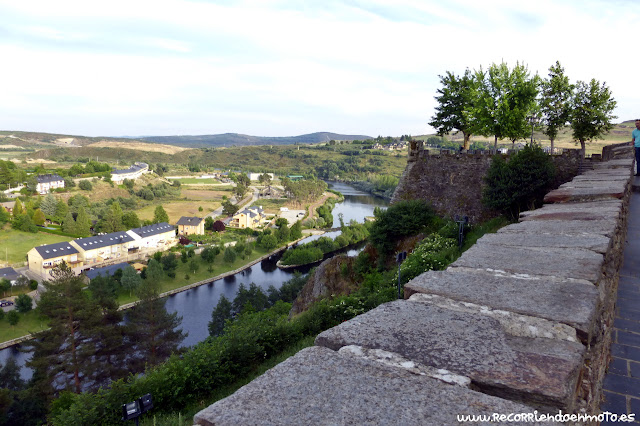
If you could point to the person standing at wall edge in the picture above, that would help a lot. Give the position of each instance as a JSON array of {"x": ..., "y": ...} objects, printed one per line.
[{"x": 635, "y": 140}]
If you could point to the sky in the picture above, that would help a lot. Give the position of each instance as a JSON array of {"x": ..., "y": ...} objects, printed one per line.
[{"x": 290, "y": 67}]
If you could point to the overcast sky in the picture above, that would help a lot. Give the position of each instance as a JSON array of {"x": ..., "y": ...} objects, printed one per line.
[{"x": 283, "y": 68}]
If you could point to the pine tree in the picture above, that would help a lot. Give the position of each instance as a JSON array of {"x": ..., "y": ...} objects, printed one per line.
[
  {"x": 154, "y": 271},
  {"x": 152, "y": 330},
  {"x": 69, "y": 225},
  {"x": 17, "y": 208},
  {"x": 160, "y": 215},
  {"x": 48, "y": 205},
  {"x": 219, "y": 316},
  {"x": 61, "y": 211},
  {"x": 66, "y": 355},
  {"x": 130, "y": 279},
  {"x": 83, "y": 224},
  {"x": 113, "y": 219}
]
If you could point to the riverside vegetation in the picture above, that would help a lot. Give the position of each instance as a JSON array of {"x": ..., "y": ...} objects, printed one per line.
[{"x": 254, "y": 329}]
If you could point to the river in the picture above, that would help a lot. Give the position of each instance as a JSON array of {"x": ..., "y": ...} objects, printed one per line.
[{"x": 196, "y": 305}]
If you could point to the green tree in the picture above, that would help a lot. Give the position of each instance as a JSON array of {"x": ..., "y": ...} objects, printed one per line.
[
  {"x": 240, "y": 190},
  {"x": 504, "y": 100},
  {"x": 169, "y": 262},
  {"x": 38, "y": 217},
  {"x": 85, "y": 185},
  {"x": 13, "y": 318},
  {"x": 519, "y": 184},
  {"x": 555, "y": 102},
  {"x": 269, "y": 242},
  {"x": 17, "y": 208},
  {"x": 113, "y": 219},
  {"x": 154, "y": 271},
  {"x": 228, "y": 208},
  {"x": 4, "y": 215},
  {"x": 160, "y": 215},
  {"x": 455, "y": 98},
  {"x": 194, "y": 265},
  {"x": 130, "y": 220},
  {"x": 61, "y": 211},
  {"x": 83, "y": 224},
  {"x": 24, "y": 303},
  {"x": 5, "y": 285},
  {"x": 591, "y": 111},
  {"x": 283, "y": 234},
  {"x": 69, "y": 225},
  {"x": 209, "y": 254},
  {"x": 229, "y": 255},
  {"x": 265, "y": 179},
  {"x": 130, "y": 279},
  {"x": 296, "y": 231},
  {"x": 65, "y": 354},
  {"x": 208, "y": 223},
  {"x": 152, "y": 331},
  {"x": 219, "y": 316},
  {"x": 48, "y": 205}
]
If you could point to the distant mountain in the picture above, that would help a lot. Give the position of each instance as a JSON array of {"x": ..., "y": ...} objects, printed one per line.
[{"x": 236, "y": 139}]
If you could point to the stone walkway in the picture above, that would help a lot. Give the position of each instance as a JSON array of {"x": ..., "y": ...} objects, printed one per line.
[{"x": 622, "y": 382}]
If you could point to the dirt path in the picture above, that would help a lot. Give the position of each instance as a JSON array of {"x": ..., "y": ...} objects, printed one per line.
[{"x": 312, "y": 207}]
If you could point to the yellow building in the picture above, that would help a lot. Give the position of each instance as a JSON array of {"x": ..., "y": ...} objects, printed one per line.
[
  {"x": 190, "y": 226},
  {"x": 43, "y": 258},
  {"x": 98, "y": 249},
  {"x": 248, "y": 218}
]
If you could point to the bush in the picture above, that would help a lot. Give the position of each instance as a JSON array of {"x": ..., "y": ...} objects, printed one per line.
[
  {"x": 85, "y": 185},
  {"x": 229, "y": 255},
  {"x": 519, "y": 184},
  {"x": 269, "y": 242},
  {"x": 24, "y": 303},
  {"x": 301, "y": 256},
  {"x": 433, "y": 253}
]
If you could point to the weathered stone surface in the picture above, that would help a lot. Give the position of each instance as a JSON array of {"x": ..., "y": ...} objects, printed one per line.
[
  {"x": 318, "y": 386},
  {"x": 564, "y": 195},
  {"x": 541, "y": 371},
  {"x": 536, "y": 261},
  {"x": 606, "y": 227},
  {"x": 566, "y": 301},
  {"x": 621, "y": 163},
  {"x": 594, "y": 242},
  {"x": 596, "y": 210}
]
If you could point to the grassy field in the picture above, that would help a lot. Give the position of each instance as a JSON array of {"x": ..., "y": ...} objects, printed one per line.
[
  {"x": 194, "y": 181},
  {"x": 14, "y": 245},
  {"x": 29, "y": 323},
  {"x": 176, "y": 209}
]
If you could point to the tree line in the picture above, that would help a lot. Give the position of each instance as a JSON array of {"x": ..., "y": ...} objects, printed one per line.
[{"x": 505, "y": 102}]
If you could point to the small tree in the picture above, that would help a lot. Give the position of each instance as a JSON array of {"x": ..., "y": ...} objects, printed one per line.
[
  {"x": 194, "y": 265},
  {"x": 519, "y": 184},
  {"x": 209, "y": 254},
  {"x": 229, "y": 255},
  {"x": 219, "y": 316},
  {"x": 154, "y": 271},
  {"x": 555, "y": 101},
  {"x": 38, "y": 217},
  {"x": 85, "y": 185},
  {"x": 269, "y": 242},
  {"x": 160, "y": 215},
  {"x": 130, "y": 279},
  {"x": 13, "y": 317},
  {"x": 295, "y": 232},
  {"x": 24, "y": 303},
  {"x": 69, "y": 225},
  {"x": 218, "y": 226},
  {"x": 591, "y": 111}
]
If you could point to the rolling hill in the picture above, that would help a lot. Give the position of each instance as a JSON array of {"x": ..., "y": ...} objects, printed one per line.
[{"x": 237, "y": 139}]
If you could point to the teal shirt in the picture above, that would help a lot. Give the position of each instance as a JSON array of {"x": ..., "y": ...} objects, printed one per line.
[{"x": 636, "y": 137}]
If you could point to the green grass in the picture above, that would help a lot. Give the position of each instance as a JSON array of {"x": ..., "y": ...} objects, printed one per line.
[
  {"x": 219, "y": 267},
  {"x": 14, "y": 245},
  {"x": 185, "y": 417},
  {"x": 29, "y": 323}
]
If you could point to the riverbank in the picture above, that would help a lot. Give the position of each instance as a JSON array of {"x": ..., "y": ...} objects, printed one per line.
[{"x": 18, "y": 340}]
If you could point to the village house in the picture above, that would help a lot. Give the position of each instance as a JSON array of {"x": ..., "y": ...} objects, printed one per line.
[
  {"x": 159, "y": 236},
  {"x": 9, "y": 274},
  {"x": 48, "y": 182},
  {"x": 190, "y": 226},
  {"x": 248, "y": 218},
  {"x": 43, "y": 258},
  {"x": 133, "y": 172},
  {"x": 8, "y": 205},
  {"x": 99, "y": 249}
]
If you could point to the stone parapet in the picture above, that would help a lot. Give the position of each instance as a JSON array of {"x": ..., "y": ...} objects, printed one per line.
[{"x": 521, "y": 322}]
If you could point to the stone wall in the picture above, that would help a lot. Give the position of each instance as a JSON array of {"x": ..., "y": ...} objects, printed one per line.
[
  {"x": 453, "y": 182},
  {"x": 520, "y": 322}
]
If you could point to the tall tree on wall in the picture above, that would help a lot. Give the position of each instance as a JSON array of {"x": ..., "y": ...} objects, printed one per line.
[
  {"x": 555, "y": 102},
  {"x": 591, "y": 111},
  {"x": 455, "y": 97},
  {"x": 504, "y": 100}
]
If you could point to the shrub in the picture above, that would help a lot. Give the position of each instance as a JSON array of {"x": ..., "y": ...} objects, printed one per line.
[
  {"x": 85, "y": 185},
  {"x": 519, "y": 184}
]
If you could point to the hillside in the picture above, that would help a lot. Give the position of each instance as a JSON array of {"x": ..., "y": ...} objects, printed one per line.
[{"x": 237, "y": 139}]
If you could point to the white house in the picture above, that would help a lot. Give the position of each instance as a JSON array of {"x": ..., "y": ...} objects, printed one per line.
[
  {"x": 256, "y": 176},
  {"x": 133, "y": 172},
  {"x": 48, "y": 182}
]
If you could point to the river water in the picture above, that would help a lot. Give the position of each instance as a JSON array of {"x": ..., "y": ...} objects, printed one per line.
[{"x": 196, "y": 305}]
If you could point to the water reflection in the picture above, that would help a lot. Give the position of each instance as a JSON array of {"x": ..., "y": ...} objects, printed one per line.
[{"x": 195, "y": 305}]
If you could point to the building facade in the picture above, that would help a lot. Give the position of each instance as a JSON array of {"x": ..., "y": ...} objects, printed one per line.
[
  {"x": 190, "y": 226},
  {"x": 48, "y": 182}
]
